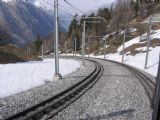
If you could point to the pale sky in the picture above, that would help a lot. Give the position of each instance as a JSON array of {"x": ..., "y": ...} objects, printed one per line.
[
  {"x": 87, "y": 5},
  {"x": 83, "y": 5}
]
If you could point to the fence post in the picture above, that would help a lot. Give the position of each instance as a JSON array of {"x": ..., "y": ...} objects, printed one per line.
[{"x": 156, "y": 100}]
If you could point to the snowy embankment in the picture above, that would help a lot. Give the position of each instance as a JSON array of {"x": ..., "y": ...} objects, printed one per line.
[
  {"x": 138, "y": 60},
  {"x": 18, "y": 77}
]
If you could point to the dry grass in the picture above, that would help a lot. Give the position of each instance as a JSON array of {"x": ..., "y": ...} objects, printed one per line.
[
  {"x": 156, "y": 26},
  {"x": 12, "y": 54},
  {"x": 132, "y": 48}
]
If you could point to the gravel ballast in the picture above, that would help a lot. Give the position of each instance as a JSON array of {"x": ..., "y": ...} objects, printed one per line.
[
  {"x": 118, "y": 95},
  {"x": 18, "y": 102}
]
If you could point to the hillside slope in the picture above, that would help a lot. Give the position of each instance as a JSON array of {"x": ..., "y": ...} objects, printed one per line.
[
  {"x": 23, "y": 21},
  {"x": 135, "y": 53}
]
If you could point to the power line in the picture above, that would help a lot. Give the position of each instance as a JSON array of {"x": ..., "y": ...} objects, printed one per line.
[
  {"x": 47, "y": 3},
  {"x": 74, "y": 7},
  {"x": 60, "y": 9},
  {"x": 66, "y": 12},
  {"x": 71, "y": 8},
  {"x": 64, "y": 7}
]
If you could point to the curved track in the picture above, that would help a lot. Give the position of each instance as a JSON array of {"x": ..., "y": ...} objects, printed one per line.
[
  {"x": 53, "y": 105},
  {"x": 146, "y": 82},
  {"x": 123, "y": 92}
]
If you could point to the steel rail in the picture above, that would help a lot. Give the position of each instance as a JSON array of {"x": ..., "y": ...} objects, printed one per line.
[
  {"x": 146, "y": 82},
  {"x": 51, "y": 106}
]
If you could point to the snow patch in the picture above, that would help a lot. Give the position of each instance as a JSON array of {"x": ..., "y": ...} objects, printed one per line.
[
  {"x": 155, "y": 35},
  {"x": 138, "y": 60},
  {"x": 18, "y": 77}
]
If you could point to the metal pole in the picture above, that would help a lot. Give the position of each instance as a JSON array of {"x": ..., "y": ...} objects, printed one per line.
[
  {"x": 29, "y": 51},
  {"x": 73, "y": 52},
  {"x": 124, "y": 39},
  {"x": 65, "y": 47},
  {"x": 88, "y": 51},
  {"x": 83, "y": 36},
  {"x": 83, "y": 43},
  {"x": 156, "y": 109},
  {"x": 75, "y": 44},
  {"x": 57, "y": 74},
  {"x": 42, "y": 50},
  {"x": 104, "y": 49},
  {"x": 148, "y": 42},
  {"x": 88, "y": 48}
]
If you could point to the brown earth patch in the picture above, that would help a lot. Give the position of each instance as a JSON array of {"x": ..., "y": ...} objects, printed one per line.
[
  {"x": 12, "y": 54},
  {"x": 132, "y": 48}
]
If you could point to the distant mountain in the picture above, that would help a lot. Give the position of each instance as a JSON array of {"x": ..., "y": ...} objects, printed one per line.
[
  {"x": 5, "y": 38},
  {"x": 23, "y": 21}
]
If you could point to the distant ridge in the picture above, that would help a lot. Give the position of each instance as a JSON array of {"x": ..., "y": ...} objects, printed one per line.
[{"x": 23, "y": 21}]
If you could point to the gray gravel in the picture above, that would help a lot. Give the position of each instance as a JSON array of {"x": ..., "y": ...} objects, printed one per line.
[
  {"x": 18, "y": 102},
  {"x": 118, "y": 95}
]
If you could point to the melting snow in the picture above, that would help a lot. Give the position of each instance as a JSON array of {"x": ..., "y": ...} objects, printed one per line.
[
  {"x": 18, "y": 77},
  {"x": 139, "y": 59}
]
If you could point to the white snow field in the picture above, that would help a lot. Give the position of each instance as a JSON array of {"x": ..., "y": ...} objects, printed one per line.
[
  {"x": 139, "y": 59},
  {"x": 18, "y": 77}
]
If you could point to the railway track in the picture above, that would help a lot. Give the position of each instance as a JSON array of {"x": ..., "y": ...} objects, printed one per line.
[
  {"x": 50, "y": 107},
  {"x": 147, "y": 83}
]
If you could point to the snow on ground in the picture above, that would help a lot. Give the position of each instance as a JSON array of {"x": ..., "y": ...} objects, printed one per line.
[
  {"x": 131, "y": 30},
  {"x": 18, "y": 77},
  {"x": 70, "y": 54},
  {"x": 156, "y": 34},
  {"x": 139, "y": 59}
]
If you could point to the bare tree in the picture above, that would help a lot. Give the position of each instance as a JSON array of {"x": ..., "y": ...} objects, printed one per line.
[{"x": 122, "y": 14}]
